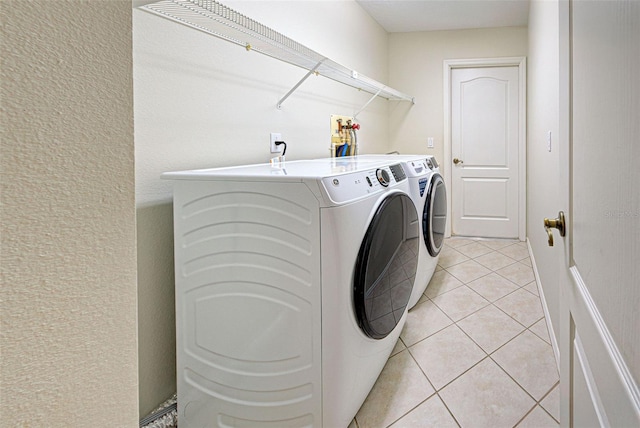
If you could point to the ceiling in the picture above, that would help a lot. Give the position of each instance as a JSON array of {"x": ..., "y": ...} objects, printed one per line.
[{"x": 400, "y": 16}]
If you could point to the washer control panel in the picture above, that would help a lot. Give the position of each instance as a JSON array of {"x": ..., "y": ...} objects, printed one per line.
[
  {"x": 346, "y": 187},
  {"x": 383, "y": 177},
  {"x": 398, "y": 172}
]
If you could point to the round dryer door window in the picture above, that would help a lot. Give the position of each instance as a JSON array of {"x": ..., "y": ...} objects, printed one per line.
[
  {"x": 434, "y": 216},
  {"x": 386, "y": 266}
]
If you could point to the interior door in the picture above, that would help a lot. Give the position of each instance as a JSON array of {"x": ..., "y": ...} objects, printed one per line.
[
  {"x": 600, "y": 298},
  {"x": 484, "y": 147}
]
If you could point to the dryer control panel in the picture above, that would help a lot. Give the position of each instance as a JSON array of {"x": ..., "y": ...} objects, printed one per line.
[
  {"x": 419, "y": 167},
  {"x": 348, "y": 187}
]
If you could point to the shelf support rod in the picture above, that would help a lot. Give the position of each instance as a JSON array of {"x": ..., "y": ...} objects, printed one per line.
[
  {"x": 313, "y": 70},
  {"x": 368, "y": 102}
]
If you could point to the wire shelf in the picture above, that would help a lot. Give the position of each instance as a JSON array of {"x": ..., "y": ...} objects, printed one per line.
[{"x": 220, "y": 21}]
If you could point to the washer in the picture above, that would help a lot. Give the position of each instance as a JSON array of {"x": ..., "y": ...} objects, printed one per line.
[
  {"x": 429, "y": 194},
  {"x": 428, "y": 188},
  {"x": 292, "y": 286}
]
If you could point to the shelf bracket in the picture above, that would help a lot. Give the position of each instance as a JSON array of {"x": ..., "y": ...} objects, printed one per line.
[
  {"x": 368, "y": 102},
  {"x": 218, "y": 20},
  {"x": 313, "y": 70}
]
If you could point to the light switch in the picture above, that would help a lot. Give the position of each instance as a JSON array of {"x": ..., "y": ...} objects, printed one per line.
[{"x": 430, "y": 142}]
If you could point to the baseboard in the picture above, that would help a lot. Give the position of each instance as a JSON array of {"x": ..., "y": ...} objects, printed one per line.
[{"x": 545, "y": 308}]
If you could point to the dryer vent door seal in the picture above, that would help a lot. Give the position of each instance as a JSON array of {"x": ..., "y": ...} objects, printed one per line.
[
  {"x": 434, "y": 216},
  {"x": 386, "y": 266}
]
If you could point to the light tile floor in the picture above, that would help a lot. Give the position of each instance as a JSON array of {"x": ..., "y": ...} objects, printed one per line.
[{"x": 475, "y": 351}]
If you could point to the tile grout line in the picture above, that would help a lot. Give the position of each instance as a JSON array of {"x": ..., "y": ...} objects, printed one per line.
[
  {"x": 465, "y": 372},
  {"x": 545, "y": 396},
  {"x": 522, "y": 388},
  {"x": 492, "y": 270},
  {"x": 487, "y": 355},
  {"x": 448, "y": 409},
  {"x": 525, "y": 415},
  {"x": 490, "y": 303},
  {"x": 435, "y": 392}
]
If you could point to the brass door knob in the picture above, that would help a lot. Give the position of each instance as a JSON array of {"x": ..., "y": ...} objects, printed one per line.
[
  {"x": 556, "y": 223},
  {"x": 457, "y": 161}
]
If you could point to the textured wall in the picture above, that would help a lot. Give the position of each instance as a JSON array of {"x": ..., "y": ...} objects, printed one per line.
[
  {"x": 68, "y": 215},
  {"x": 203, "y": 102},
  {"x": 542, "y": 165},
  {"x": 416, "y": 63},
  {"x": 605, "y": 217}
]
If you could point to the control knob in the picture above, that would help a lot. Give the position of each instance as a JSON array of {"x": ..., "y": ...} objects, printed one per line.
[{"x": 383, "y": 177}]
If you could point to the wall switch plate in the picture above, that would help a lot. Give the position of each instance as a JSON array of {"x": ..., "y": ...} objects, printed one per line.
[
  {"x": 275, "y": 136},
  {"x": 548, "y": 141},
  {"x": 430, "y": 142}
]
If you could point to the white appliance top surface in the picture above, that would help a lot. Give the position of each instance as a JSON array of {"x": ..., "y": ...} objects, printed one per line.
[
  {"x": 416, "y": 166},
  {"x": 391, "y": 157},
  {"x": 291, "y": 170}
]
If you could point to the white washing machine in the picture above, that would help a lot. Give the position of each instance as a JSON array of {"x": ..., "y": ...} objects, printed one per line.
[
  {"x": 429, "y": 194},
  {"x": 292, "y": 285}
]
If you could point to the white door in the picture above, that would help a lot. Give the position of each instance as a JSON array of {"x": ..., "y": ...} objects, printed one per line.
[
  {"x": 599, "y": 337},
  {"x": 485, "y": 151}
]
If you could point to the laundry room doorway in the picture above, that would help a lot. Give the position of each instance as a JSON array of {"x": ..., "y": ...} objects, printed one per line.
[{"x": 485, "y": 146}]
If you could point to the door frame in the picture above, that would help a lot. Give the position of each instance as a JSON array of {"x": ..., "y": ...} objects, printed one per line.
[{"x": 521, "y": 63}]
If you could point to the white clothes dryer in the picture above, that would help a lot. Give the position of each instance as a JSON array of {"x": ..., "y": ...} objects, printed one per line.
[
  {"x": 428, "y": 191},
  {"x": 292, "y": 285}
]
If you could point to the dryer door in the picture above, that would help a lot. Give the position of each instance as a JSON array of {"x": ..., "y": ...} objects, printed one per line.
[
  {"x": 386, "y": 266},
  {"x": 434, "y": 215}
]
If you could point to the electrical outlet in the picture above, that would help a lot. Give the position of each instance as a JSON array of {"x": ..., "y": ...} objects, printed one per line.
[{"x": 275, "y": 136}]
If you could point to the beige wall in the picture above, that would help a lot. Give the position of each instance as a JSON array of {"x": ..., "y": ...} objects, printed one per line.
[
  {"x": 416, "y": 64},
  {"x": 68, "y": 215},
  {"x": 203, "y": 102},
  {"x": 605, "y": 153},
  {"x": 542, "y": 165}
]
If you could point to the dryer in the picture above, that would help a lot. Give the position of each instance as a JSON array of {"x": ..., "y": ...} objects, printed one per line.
[
  {"x": 429, "y": 194},
  {"x": 292, "y": 285}
]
